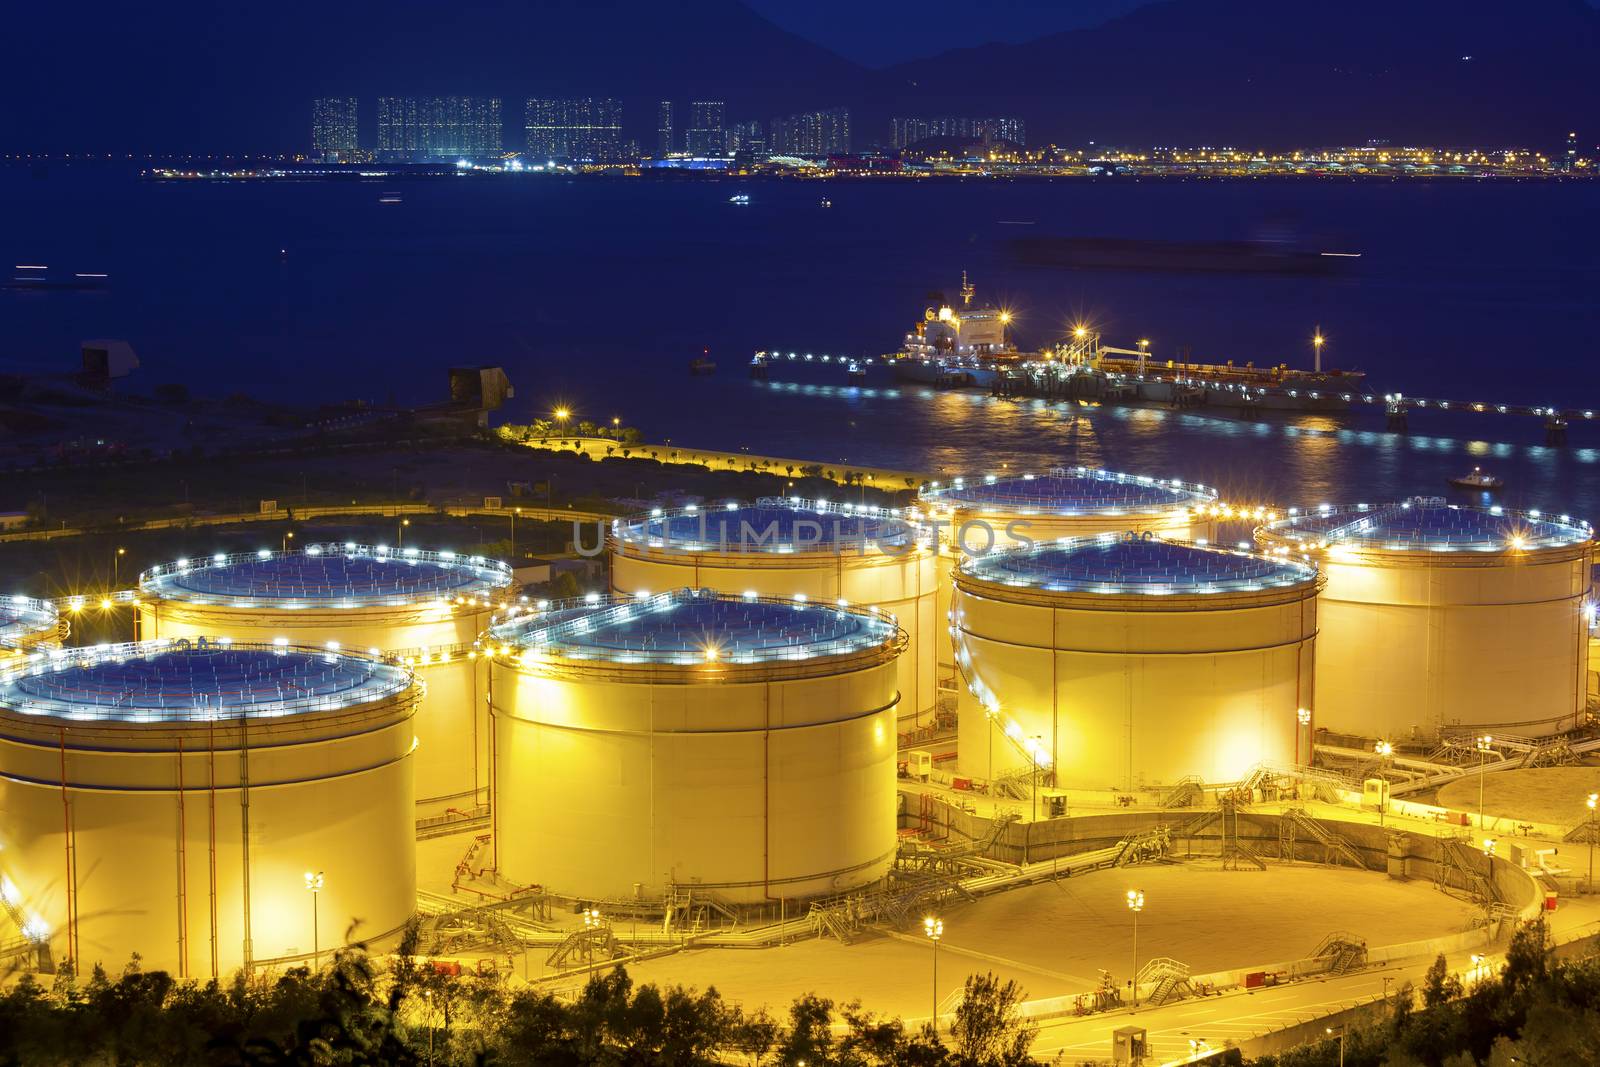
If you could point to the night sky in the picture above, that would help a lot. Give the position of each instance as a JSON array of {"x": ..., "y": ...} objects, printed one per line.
[{"x": 892, "y": 31}]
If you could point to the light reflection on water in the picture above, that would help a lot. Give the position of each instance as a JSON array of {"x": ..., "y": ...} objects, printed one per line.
[{"x": 1278, "y": 459}]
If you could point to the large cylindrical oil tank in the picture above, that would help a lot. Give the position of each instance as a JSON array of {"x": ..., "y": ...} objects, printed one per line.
[
  {"x": 1128, "y": 662},
  {"x": 170, "y": 798},
  {"x": 858, "y": 556},
  {"x": 28, "y": 625},
  {"x": 1440, "y": 617},
  {"x": 423, "y": 608},
  {"x": 973, "y": 516},
  {"x": 739, "y": 746}
]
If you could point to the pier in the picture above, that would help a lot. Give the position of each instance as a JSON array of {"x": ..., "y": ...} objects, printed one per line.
[{"x": 1083, "y": 369}]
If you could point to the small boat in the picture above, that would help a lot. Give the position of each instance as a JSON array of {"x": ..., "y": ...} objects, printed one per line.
[
  {"x": 742, "y": 199},
  {"x": 857, "y": 372},
  {"x": 826, "y": 202},
  {"x": 390, "y": 198},
  {"x": 1477, "y": 479},
  {"x": 703, "y": 364}
]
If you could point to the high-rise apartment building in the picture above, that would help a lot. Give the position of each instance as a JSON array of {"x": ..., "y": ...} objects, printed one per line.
[
  {"x": 705, "y": 135},
  {"x": 582, "y": 129},
  {"x": 664, "y": 128},
  {"x": 748, "y": 136},
  {"x": 438, "y": 127},
  {"x": 333, "y": 128},
  {"x": 813, "y": 133},
  {"x": 911, "y": 130}
]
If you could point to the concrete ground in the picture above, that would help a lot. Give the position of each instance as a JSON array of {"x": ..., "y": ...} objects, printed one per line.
[
  {"x": 1055, "y": 938},
  {"x": 1539, "y": 794}
]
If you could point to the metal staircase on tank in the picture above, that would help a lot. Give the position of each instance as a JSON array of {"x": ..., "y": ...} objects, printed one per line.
[
  {"x": 1186, "y": 792},
  {"x": 1342, "y": 951},
  {"x": 29, "y": 941},
  {"x": 1169, "y": 977},
  {"x": 1146, "y": 846},
  {"x": 586, "y": 945},
  {"x": 958, "y": 859},
  {"x": 1296, "y": 822},
  {"x": 1235, "y": 851},
  {"x": 1457, "y": 872}
]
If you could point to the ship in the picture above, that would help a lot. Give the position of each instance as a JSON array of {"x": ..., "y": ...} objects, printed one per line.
[
  {"x": 703, "y": 363},
  {"x": 1132, "y": 374},
  {"x": 957, "y": 345},
  {"x": 1478, "y": 479}
]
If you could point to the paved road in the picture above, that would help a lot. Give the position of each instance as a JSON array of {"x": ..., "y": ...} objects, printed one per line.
[{"x": 1240, "y": 1015}]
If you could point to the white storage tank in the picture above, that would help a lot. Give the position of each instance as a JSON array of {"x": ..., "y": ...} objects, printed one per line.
[
  {"x": 738, "y": 746},
  {"x": 169, "y": 799},
  {"x": 27, "y": 624},
  {"x": 423, "y": 608},
  {"x": 1117, "y": 663},
  {"x": 1001, "y": 511},
  {"x": 1439, "y": 617},
  {"x": 858, "y": 556}
]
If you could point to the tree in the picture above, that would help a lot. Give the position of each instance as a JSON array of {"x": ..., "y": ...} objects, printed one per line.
[
  {"x": 988, "y": 1030},
  {"x": 1439, "y": 986},
  {"x": 810, "y": 1036}
]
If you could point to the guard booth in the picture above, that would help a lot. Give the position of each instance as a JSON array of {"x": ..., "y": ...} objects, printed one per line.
[
  {"x": 1375, "y": 794},
  {"x": 1130, "y": 1045}
]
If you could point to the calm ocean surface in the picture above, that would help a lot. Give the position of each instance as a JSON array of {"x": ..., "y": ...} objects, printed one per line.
[{"x": 597, "y": 293}]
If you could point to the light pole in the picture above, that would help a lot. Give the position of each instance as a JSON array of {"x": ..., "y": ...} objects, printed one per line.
[
  {"x": 1033, "y": 758},
  {"x": 1144, "y": 350},
  {"x": 116, "y": 567},
  {"x": 400, "y": 533},
  {"x": 1317, "y": 342},
  {"x": 314, "y": 887},
  {"x": 1384, "y": 750},
  {"x": 934, "y": 928},
  {"x": 1594, "y": 799},
  {"x": 514, "y": 513},
  {"x": 1135, "y": 905},
  {"x": 1340, "y": 1031},
  {"x": 1484, "y": 745},
  {"x": 287, "y": 537},
  {"x": 1303, "y": 717}
]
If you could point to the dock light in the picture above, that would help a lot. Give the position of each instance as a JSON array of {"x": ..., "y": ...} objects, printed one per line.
[
  {"x": 1484, "y": 745},
  {"x": 1135, "y": 898},
  {"x": 1079, "y": 332},
  {"x": 562, "y": 414},
  {"x": 591, "y": 919},
  {"x": 1005, "y": 317},
  {"x": 1489, "y": 846},
  {"x": 934, "y": 929}
]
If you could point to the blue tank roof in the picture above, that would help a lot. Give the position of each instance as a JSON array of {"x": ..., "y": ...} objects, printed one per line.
[
  {"x": 1075, "y": 490},
  {"x": 323, "y": 575},
  {"x": 1118, "y": 566},
  {"x": 1427, "y": 524},
  {"x": 169, "y": 681},
  {"x": 696, "y": 626},
  {"x": 769, "y": 525}
]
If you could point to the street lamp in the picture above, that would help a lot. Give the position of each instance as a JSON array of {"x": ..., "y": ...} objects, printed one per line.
[
  {"x": 514, "y": 513},
  {"x": 934, "y": 928},
  {"x": 1384, "y": 750},
  {"x": 314, "y": 887},
  {"x": 1484, "y": 745},
  {"x": 1594, "y": 799},
  {"x": 1488, "y": 847},
  {"x": 400, "y": 533},
  {"x": 1317, "y": 342},
  {"x": 1135, "y": 905},
  {"x": 287, "y": 537},
  {"x": 1477, "y": 964},
  {"x": 1340, "y": 1031},
  {"x": 1303, "y": 717}
]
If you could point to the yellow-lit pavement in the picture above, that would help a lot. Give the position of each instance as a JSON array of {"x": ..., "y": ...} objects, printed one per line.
[{"x": 1242, "y": 1015}]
